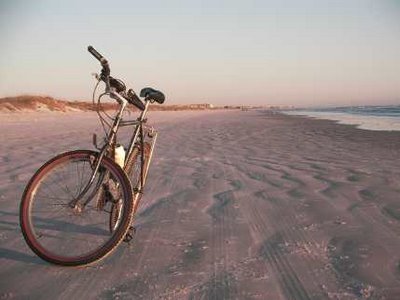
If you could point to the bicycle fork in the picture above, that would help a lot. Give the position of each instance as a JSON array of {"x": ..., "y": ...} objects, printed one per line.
[{"x": 75, "y": 203}]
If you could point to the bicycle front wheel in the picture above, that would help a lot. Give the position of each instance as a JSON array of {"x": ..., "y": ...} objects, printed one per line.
[{"x": 66, "y": 234}]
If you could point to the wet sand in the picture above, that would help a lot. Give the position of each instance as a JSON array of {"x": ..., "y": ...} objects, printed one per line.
[{"x": 238, "y": 205}]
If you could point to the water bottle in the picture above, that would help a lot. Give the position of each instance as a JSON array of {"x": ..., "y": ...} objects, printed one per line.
[{"x": 119, "y": 155}]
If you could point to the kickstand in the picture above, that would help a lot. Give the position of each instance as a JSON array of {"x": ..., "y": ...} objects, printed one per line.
[{"x": 129, "y": 235}]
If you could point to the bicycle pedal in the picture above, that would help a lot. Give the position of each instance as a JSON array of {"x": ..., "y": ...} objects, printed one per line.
[{"x": 129, "y": 235}]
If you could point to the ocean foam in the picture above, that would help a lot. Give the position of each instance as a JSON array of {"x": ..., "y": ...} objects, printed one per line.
[{"x": 380, "y": 123}]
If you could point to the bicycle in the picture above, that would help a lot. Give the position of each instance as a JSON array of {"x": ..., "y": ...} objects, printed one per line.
[{"x": 79, "y": 206}]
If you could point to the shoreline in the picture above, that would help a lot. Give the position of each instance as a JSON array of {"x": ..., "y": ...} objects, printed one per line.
[{"x": 375, "y": 123}]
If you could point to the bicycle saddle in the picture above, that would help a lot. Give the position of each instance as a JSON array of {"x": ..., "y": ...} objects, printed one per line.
[{"x": 152, "y": 94}]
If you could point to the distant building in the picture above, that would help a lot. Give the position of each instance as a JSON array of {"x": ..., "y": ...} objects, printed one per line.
[{"x": 201, "y": 106}]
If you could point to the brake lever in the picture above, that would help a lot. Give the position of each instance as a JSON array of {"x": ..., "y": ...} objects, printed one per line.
[
  {"x": 97, "y": 76},
  {"x": 95, "y": 144}
]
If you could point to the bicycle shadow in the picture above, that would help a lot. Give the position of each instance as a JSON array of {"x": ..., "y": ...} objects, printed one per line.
[
  {"x": 51, "y": 224},
  {"x": 13, "y": 255},
  {"x": 11, "y": 225},
  {"x": 20, "y": 257}
]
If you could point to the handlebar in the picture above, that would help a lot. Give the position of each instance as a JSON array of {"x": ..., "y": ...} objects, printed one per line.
[
  {"x": 101, "y": 59},
  {"x": 134, "y": 99},
  {"x": 117, "y": 84}
]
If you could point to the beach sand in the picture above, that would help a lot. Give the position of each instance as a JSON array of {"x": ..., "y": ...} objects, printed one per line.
[{"x": 238, "y": 205}]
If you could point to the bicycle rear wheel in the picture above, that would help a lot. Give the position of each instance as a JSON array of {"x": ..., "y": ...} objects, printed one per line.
[
  {"x": 133, "y": 167},
  {"x": 61, "y": 234},
  {"x": 133, "y": 170}
]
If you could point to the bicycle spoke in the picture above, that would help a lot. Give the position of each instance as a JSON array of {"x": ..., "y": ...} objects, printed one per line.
[{"x": 66, "y": 188}]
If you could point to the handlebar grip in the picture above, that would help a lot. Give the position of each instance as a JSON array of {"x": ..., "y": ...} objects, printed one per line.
[
  {"x": 135, "y": 100},
  {"x": 100, "y": 58},
  {"x": 96, "y": 54}
]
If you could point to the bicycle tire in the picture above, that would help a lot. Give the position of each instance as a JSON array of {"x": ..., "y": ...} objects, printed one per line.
[{"x": 37, "y": 229}]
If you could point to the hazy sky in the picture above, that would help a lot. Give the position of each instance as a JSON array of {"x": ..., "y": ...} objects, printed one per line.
[{"x": 298, "y": 52}]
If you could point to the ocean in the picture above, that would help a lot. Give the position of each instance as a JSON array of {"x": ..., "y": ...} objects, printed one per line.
[{"x": 364, "y": 117}]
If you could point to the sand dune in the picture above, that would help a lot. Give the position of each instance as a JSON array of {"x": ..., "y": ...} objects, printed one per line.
[
  {"x": 31, "y": 103},
  {"x": 239, "y": 205}
]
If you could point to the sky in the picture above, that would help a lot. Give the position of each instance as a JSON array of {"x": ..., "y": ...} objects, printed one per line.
[{"x": 270, "y": 52}]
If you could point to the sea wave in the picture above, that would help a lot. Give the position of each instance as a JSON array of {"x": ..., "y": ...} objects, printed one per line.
[{"x": 368, "y": 119}]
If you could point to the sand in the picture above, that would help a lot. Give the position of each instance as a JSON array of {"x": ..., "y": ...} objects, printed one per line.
[{"x": 239, "y": 205}]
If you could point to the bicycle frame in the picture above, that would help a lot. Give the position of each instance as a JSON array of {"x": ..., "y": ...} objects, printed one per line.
[{"x": 138, "y": 135}]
